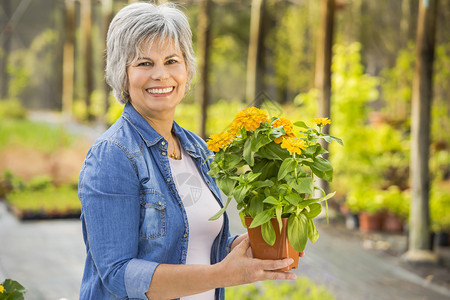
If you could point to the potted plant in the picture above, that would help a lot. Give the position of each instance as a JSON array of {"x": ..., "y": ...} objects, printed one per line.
[
  {"x": 368, "y": 203},
  {"x": 270, "y": 172},
  {"x": 396, "y": 203}
]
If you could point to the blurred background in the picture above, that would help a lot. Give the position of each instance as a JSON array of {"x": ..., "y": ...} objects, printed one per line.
[{"x": 379, "y": 69}]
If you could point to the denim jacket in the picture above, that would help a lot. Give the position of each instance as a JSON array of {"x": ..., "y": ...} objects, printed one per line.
[{"x": 132, "y": 216}]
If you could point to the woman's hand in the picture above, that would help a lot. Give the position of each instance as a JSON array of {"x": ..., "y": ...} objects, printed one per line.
[{"x": 239, "y": 267}]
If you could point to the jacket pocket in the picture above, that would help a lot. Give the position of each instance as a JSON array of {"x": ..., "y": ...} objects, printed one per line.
[{"x": 153, "y": 215}]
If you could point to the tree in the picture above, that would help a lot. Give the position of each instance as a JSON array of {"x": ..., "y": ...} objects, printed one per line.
[
  {"x": 204, "y": 43},
  {"x": 86, "y": 27},
  {"x": 68, "y": 57},
  {"x": 255, "y": 66},
  {"x": 323, "y": 66},
  {"x": 107, "y": 16},
  {"x": 419, "y": 235},
  {"x": 6, "y": 35}
]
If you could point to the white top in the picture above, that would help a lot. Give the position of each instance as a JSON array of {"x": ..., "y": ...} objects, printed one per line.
[{"x": 200, "y": 204}]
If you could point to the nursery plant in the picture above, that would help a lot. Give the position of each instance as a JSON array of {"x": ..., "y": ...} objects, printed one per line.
[{"x": 270, "y": 171}]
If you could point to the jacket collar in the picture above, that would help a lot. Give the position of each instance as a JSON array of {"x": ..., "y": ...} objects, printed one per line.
[{"x": 149, "y": 135}]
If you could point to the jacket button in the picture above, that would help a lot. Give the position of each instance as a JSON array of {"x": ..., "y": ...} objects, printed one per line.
[
  {"x": 168, "y": 179},
  {"x": 159, "y": 203},
  {"x": 164, "y": 153},
  {"x": 207, "y": 182},
  {"x": 163, "y": 143},
  {"x": 185, "y": 235}
]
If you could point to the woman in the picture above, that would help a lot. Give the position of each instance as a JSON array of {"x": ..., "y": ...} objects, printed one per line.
[{"x": 145, "y": 192}]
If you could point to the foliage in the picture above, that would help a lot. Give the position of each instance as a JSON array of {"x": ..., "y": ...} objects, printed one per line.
[
  {"x": 12, "y": 109},
  {"x": 11, "y": 290},
  {"x": 352, "y": 91},
  {"x": 373, "y": 200},
  {"x": 440, "y": 207},
  {"x": 32, "y": 72},
  {"x": 270, "y": 172},
  {"x": 34, "y": 135},
  {"x": 302, "y": 288},
  {"x": 293, "y": 54},
  {"x": 44, "y": 198}
]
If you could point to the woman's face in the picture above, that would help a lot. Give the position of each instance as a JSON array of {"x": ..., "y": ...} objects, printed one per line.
[{"x": 157, "y": 80}]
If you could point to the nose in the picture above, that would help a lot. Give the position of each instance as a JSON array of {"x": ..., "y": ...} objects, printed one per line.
[{"x": 159, "y": 72}]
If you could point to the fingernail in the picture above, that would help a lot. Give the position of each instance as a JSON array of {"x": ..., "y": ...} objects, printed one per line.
[{"x": 291, "y": 261}]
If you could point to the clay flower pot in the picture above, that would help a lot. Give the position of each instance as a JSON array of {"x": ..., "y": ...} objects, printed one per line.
[
  {"x": 392, "y": 223},
  {"x": 281, "y": 249},
  {"x": 370, "y": 222}
]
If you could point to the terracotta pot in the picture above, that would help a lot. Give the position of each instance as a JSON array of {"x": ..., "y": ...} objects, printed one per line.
[
  {"x": 392, "y": 223},
  {"x": 370, "y": 222},
  {"x": 281, "y": 249}
]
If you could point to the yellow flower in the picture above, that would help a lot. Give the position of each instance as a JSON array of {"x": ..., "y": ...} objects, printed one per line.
[
  {"x": 250, "y": 118},
  {"x": 218, "y": 141},
  {"x": 294, "y": 144},
  {"x": 288, "y": 128},
  {"x": 321, "y": 121},
  {"x": 2, "y": 289}
]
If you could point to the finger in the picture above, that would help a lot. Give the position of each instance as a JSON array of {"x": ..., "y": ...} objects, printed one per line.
[
  {"x": 301, "y": 254},
  {"x": 270, "y": 265},
  {"x": 243, "y": 246},
  {"x": 274, "y": 275}
]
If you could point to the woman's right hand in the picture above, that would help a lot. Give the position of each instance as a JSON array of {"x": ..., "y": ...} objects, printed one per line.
[{"x": 239, "y": 267}]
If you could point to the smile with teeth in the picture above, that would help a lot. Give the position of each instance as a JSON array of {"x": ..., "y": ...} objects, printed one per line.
[{"x": 160, "y": 91}]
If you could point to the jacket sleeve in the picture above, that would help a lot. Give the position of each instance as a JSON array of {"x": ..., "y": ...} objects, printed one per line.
[{"x": 109, "y": 193}]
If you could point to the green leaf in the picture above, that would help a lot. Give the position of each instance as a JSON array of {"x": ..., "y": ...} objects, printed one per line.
[
  {"x": 255, "y": 206},
  {"x": 288, "y": 166},
  {"x": 240, "y": 192},
  {"x": 259, "y": 141},
  {"x": 337, "y": 140},
  {"x": 271, "y": 200},
  {"x": 14, "y": 290},
  {"x": 301, "y": 124},
  {"x": 302, "y": 185},
  {"x": 231, "y": 161},
  {"x": 226, "y": 184},
  {"x": 250, "y": 177},
  {"x": 268, "y": 233},
  {"x": 273, "y": 151},
  {"x": 248, "y": 153},
  {"x": 305, "y": 203},
  {"x": 314, "y": 210},
  {"x": 278, "y": 213},
  {"x": 262, "y": 218},
  {"x": 298, "y": 231},
  {"x": 313, "y": 234},
  {"x": 220, "y": 212},
  {"x": 293, "y": 198},
  {"x": 261, "y": 184},
  {"x": 322, "y": 168}
]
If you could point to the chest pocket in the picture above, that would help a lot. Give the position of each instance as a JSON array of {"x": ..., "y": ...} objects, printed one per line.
[{"x": 153, "y": 215}]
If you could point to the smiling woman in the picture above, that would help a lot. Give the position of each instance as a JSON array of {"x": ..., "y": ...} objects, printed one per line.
[{"x": 144, "y": 187}]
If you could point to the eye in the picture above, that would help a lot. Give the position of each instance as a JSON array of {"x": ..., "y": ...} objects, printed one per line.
[
  {"x": 145, "y": 64},
  {"x": 171, "y": 61}
]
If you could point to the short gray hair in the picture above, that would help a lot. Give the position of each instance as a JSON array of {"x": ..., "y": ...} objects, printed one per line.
[{"x": 140, "y": 23}]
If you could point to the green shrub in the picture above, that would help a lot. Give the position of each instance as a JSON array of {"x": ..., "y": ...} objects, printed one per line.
[
  {"x": 39, "y": 136},
  {"x": 302, "y": 288},
  {"x": 12, "y": 109},
  {"x": 47, "y": 199}
]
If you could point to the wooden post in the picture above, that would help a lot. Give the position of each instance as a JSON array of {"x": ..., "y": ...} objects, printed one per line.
[
  {"x": 6, "y": 37},
  {"x": 204, "y": 41},
  {"x": 323, "y": 67},
  {"x": 419, "y": 233},
  {"x": 86, "y": 27},
  {"x": 255, "y": 56},
  {"x": 68, "y": 58},
  {"x": 107, "y": 16}
]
